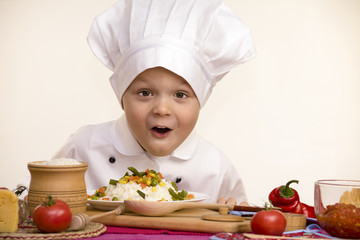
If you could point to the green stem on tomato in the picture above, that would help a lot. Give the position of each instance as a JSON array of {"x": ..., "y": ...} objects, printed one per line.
[{"x": 50, "y": 202}]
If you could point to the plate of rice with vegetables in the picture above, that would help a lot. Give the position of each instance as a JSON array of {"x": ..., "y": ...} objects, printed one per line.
[{"x": 147, "y": 185}]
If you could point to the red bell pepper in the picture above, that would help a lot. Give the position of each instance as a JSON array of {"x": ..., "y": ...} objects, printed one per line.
[
  {"x": 288, "y": 200},
  {"x": 285, "y": 197},
  {"x": 309, "y": 211}
]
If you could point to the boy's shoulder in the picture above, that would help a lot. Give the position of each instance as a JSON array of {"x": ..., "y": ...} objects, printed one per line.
[
  {"x": 100, "y": 132},
  {"x": 207, "y": 147},
  {"x": 95, "y": 128}
]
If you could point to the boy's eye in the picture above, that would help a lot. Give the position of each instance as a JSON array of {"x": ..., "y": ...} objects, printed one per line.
[
  {"x": 180, "y": 95},
  {"x": 145, "y": 93}
]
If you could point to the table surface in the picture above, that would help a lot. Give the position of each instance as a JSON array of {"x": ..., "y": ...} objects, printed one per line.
[
  {"x": 312, "y": 231},
  {"x": 115, "y": 232}
]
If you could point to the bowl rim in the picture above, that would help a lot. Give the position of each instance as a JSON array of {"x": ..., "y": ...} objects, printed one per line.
[{"x": 338, "y": 182}]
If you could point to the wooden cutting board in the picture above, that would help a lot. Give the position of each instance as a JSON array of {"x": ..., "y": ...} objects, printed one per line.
[{"x": 182, "y": 220}]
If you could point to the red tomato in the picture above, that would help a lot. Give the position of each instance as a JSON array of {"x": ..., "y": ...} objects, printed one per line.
[
  {"x": 268, "y": 222},
  {"x": 52, "y": 216}
]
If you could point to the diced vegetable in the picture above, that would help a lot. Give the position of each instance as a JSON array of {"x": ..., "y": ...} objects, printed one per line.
[
  {"x": 178, "y": 196},
  {"x": 136, "y": 172},
  {"x": 141, "y": 194},
  {"x": 154, "y": 182},
  {"x": 174, "y": 186},
  {"x": 113, "y": 182},
  {"x": 190, "y": 196}
]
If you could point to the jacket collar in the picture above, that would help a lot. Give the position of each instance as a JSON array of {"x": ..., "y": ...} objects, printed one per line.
[{"x": 126, "y": 144}]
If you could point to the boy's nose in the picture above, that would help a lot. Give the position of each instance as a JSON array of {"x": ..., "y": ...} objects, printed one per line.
[{"x": 162, "y": 107}]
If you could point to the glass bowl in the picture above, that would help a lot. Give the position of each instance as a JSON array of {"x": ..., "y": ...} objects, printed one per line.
[{"x": 337, "y": 207}]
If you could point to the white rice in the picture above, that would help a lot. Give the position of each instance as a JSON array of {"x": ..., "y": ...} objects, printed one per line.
[
  {"x": 60, "y": 162},
  {"x": 128, "y": 191}
]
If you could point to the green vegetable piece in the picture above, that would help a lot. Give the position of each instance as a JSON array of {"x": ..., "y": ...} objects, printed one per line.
[
  {"x": 183, "y": 194},
  {"x": 174, "y": 195},
  {"x": 141, "y": 194},
  {"x": 154, "y": 182},
  {"x": 115, "y": 199},
  {"x": 174, "y": 186},
  {"x": 135, "y": 172},
  {"x": 113, "y": 182}
]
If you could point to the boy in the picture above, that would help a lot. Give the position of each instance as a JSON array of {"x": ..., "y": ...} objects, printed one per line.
[{"x": 166, "y": 56}]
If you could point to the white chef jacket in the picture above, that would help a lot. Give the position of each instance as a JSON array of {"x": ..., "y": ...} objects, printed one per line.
[{"x": 196, "y": 165}]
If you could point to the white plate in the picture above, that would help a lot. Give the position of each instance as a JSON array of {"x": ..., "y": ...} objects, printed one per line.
[{"x": 110, "y": 205}]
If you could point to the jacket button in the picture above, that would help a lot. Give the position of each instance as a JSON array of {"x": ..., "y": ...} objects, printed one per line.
[{"x": 112, "y": 159}]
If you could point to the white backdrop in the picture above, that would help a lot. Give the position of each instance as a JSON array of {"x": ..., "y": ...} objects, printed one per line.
[{"x": 293, "y": 112}]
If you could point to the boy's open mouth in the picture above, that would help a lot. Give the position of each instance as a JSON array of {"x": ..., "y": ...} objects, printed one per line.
[{"x": 161, "y": 130}]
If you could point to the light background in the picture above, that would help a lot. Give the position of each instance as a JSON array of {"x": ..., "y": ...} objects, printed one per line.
[{"x": 293, "y": 112}]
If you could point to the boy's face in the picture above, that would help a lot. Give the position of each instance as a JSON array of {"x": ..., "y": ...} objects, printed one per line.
[{"x": 161, "y": 109}]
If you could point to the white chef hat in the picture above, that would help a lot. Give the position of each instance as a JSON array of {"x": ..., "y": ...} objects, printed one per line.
[{"x": 199, "y": 40}]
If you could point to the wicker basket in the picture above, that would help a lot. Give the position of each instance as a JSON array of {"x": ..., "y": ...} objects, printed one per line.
[{"x": 295, "y": 221}]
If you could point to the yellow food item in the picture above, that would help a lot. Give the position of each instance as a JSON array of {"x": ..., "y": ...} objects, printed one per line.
[
  {"x": 351, "y": 197},
  {"x": 9, "y": 211}
]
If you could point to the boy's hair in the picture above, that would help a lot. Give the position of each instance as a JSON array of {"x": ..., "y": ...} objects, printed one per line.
[{"x": 199, "y": 40}]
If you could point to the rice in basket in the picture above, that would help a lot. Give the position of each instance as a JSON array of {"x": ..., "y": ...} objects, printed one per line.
[{"x": 59, "y": 162}]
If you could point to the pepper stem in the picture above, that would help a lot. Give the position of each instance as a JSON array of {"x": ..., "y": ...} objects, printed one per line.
[{"x": 286, "y": 191}]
